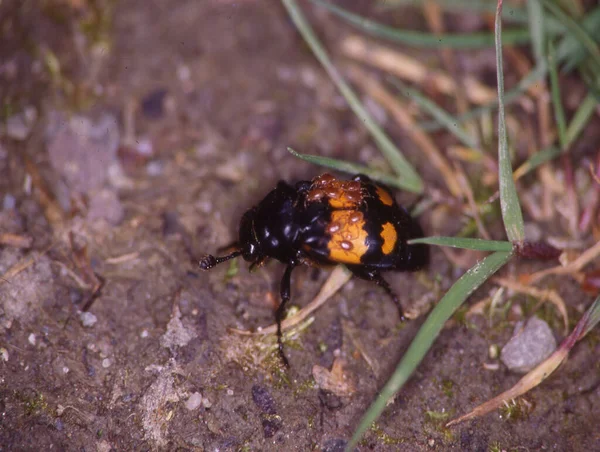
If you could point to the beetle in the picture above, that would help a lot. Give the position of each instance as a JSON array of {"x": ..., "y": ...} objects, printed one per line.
[{"x": 328, "y": 221}]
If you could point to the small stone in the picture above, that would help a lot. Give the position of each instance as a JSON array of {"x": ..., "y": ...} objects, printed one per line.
[
  {"x": 31, "y": 339},
  {"x": 144, "y": 334},
  {"x": 106, "y": 363},
  {"x": 65, "y": 370},
  {"x": 18, "y": 127},
  {"x": 155, "y": 168},
  {"x": 88, "y": 319},
  {"x": 229, "y": 392},
  {"x": 206, "y": 403},
  {"x": 529, "y": 346},
  {"x": 9, "y": 202},
  {"x": 263, "y": 399},
  {"x": 153, "y": 105},
  {"x": 4, "y": 354},
  {"x": 194, "y": 401}
]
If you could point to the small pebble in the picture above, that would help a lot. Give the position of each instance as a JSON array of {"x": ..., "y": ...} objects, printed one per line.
[
  {"x": 194, "y": 401},
  {"x": 529, "y": 346},
  {"x": 65, "y": 370},
  {"x": 106, "y": 363},
  {"x": 155, "y": 168},
  {"x": 31, "y": 339},
  {"x": 88, "y": 319},
  {"x": 144, "y": 334},
  {"x": 230, "y": 392},
  {"x": 4, "y": 354},
  {"x": 19, "y": 126},
  {"x": 9, "y": 202}
]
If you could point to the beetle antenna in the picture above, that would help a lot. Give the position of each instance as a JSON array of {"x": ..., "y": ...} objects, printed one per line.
[{"x": 209, "y": 261}]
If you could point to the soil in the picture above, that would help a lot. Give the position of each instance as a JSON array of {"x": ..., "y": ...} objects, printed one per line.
[{"x": 176, "y": 116}]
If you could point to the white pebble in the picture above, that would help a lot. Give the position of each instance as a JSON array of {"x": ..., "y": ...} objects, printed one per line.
[
  {"x": 88, "y": 319},
  {"x": 106, "y": 363},
  {"x": 144, "y": 334},
  {"x": 194, "y": 401},
  {"x": 31, "y": 339}
]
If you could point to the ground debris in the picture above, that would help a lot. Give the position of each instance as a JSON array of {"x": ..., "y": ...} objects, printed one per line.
[
  {"x": 156, "y": 412},
  {"x": 177, "y": 334},
  {"x": 337, "y": 381}
]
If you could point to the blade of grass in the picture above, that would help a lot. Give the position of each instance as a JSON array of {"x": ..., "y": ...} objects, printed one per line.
[
  {"x": 399, "y": 112},
  {"x": 509, "y": 202},
  {"x": 589, "y": 320},
  {"x": 569, "y": 50},
  {"x": 441, "y": 115},
  {"x": 350, "y": 168},
  {"x": 466, "y": 243},
  {"x": 577, "y": 31},
  {"x": 427, "y": 334},
  {"x": 581, "y": 118},
  {"x": 510, "y": 13},
  {"x": 537, "y": 159},
  {"x": 591, "y": 79},
  {"x": 559, "y": 112},
  {"x": 535, "y": 15},
  {"x": 536, "y": 74},
  {"x": 421, "y": 39},
  {"x": 397, "y": 161}
]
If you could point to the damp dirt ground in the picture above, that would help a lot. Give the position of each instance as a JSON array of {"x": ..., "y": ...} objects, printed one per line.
[{"x": 184, "y": 110}]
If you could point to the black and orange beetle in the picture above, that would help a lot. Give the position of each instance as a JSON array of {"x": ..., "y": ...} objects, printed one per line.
[{"x": 329, "y": 221}]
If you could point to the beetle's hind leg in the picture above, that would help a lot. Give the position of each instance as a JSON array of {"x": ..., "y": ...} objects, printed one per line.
[
  {"x": 375, "y": 276},
  {"x": 285, "y": 297}
]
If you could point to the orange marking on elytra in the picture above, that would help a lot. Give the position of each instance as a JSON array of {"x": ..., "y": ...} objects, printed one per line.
[
  {"x": 349, "y": 243},
  {"x": 390, "y": 237}
]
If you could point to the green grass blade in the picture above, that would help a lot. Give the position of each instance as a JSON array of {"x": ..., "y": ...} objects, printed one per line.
[
  {"x": 592, "y": 317},
  {"x": 509, "y": 202},
  {"x": 569, "y": 50},
  {"x": 466, "y": 243},
  {"x": 510, "y": 13},
  {"x": 536, "y": 74},
  {"x": 581, "y": 118},
  {"x": 539, "y": 158},
  {"x": 397, "y": 161},
  {"x": 424, "y": 339},
  {"x": 351, "y": 168},
  {"x": 577, "y": 31},
  {"x": 559, "y": 112},
  {"x": 421, "y": 39},
  {"x": 535, "y": 15},
  {"x": 448, "y": 121}
]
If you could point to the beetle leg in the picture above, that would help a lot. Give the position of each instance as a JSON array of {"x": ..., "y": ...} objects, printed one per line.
[
  {"x": 285, "y": 297},
  {"x": 209, "y": 261},
  {"x": 375, "y": 276},
  {"x": 255, "y": 264}
]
